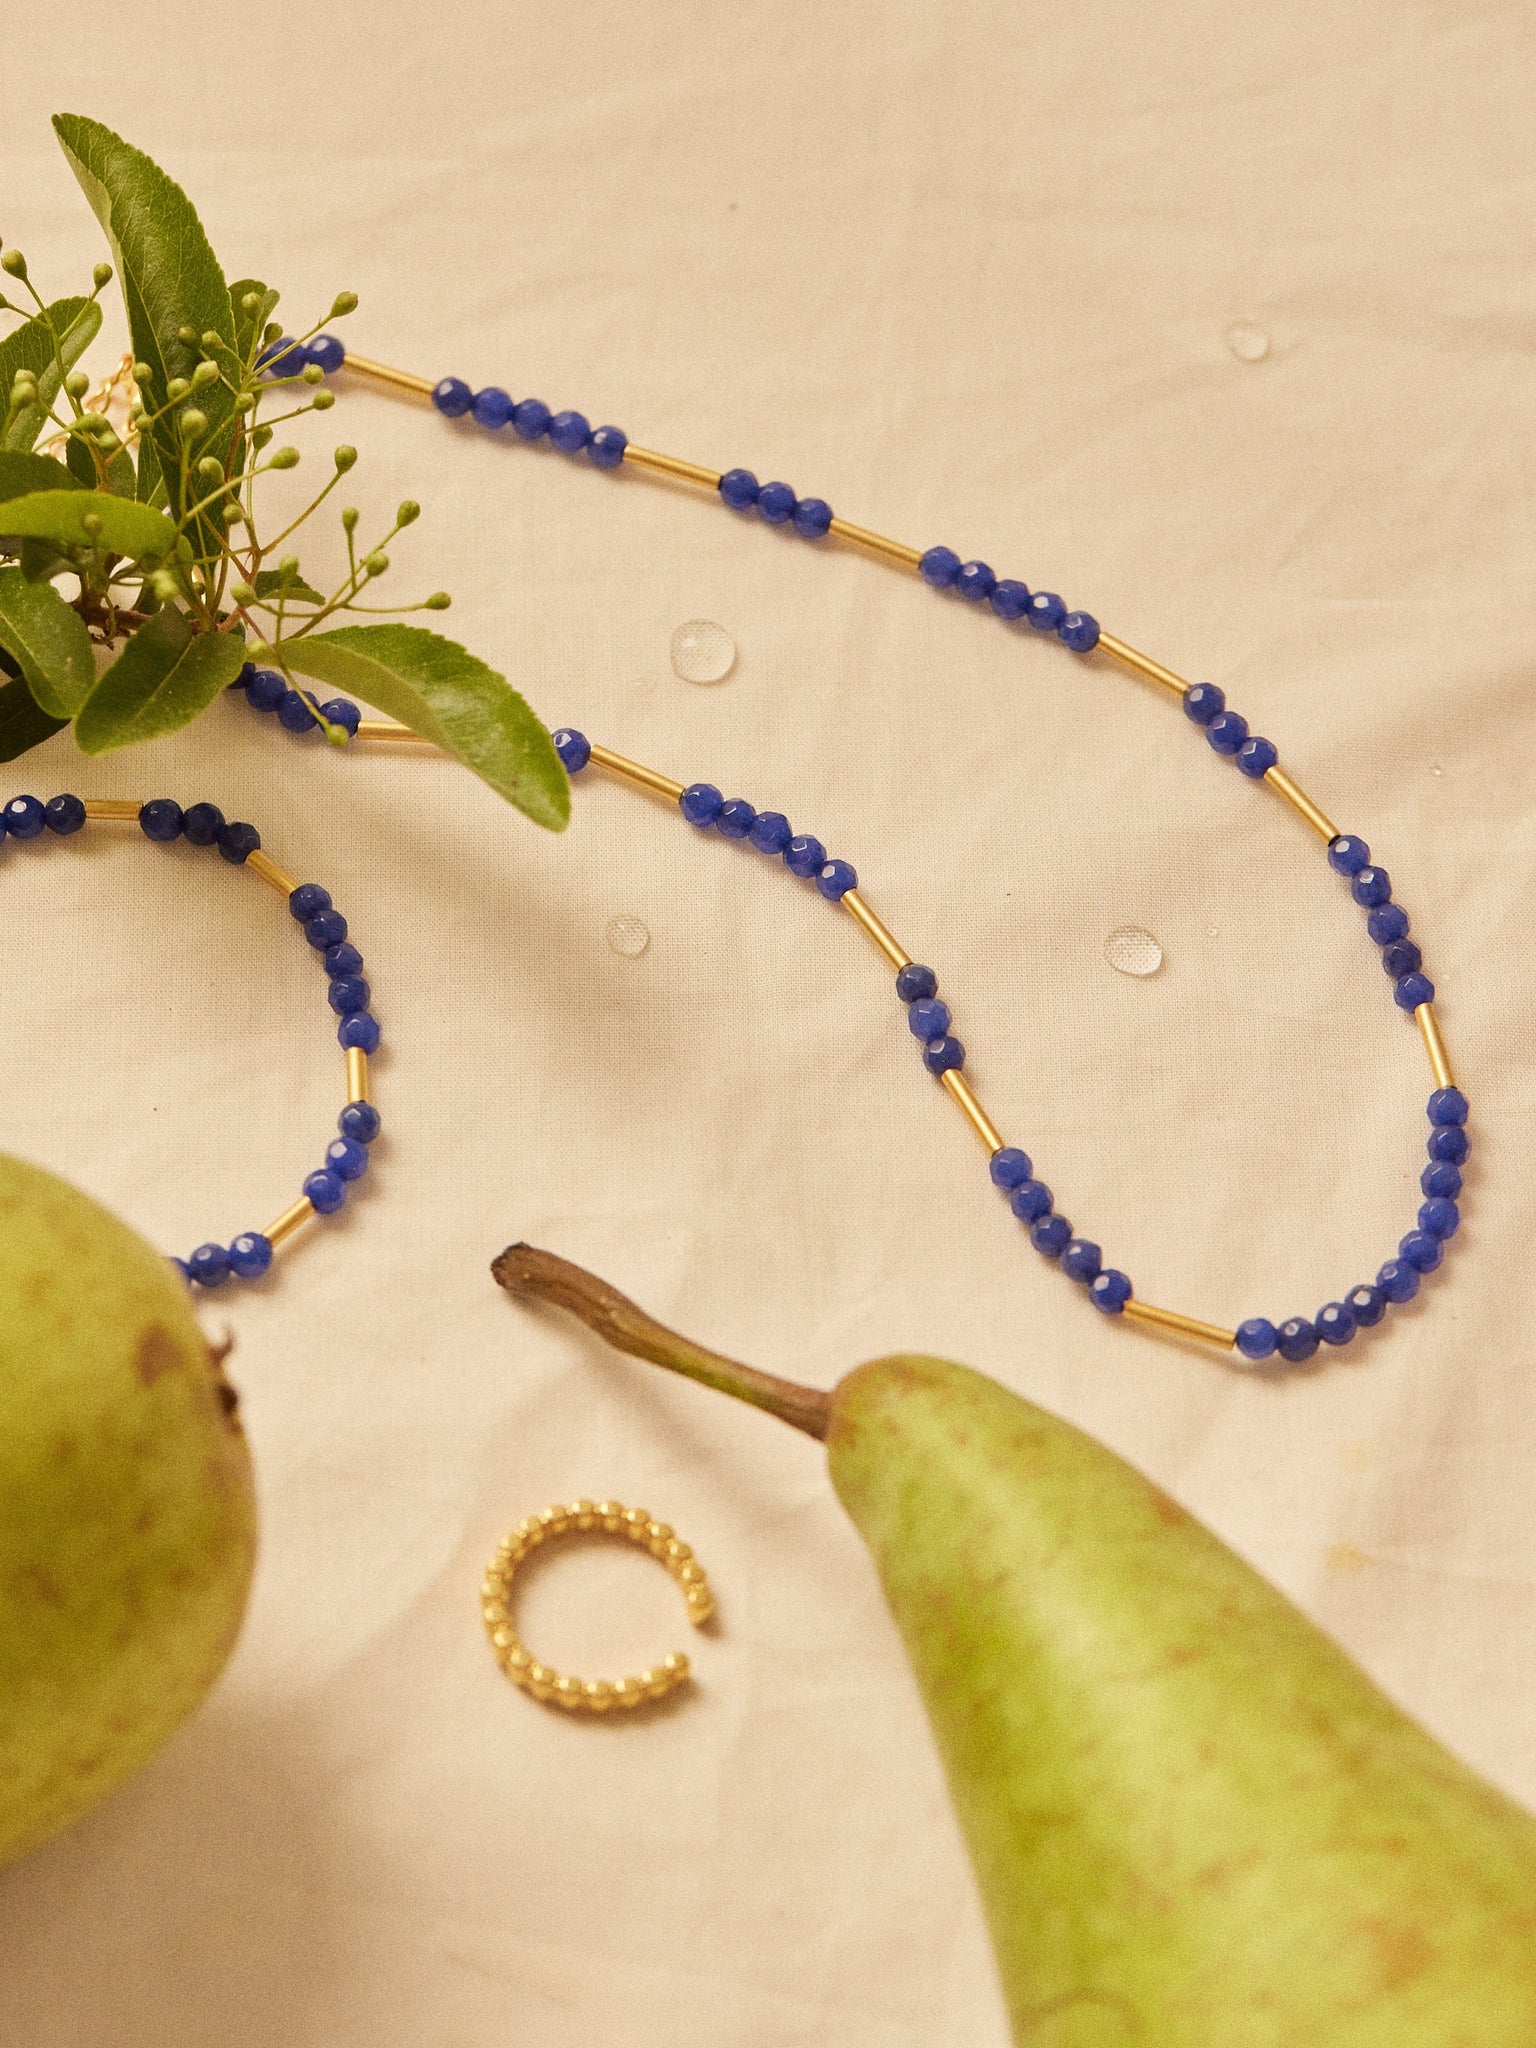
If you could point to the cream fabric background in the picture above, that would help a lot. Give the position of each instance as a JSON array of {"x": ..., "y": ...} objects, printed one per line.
[{"x": 966, "y": 272}]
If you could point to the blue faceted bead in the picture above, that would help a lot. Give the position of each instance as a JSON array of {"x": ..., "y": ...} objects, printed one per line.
[
  {"x": 1031, "y": 1200},
  {"x": 1109, "y": 1290},
  {"x": 210, "y": 1265},
  {"x": 1296, "y": 1340},
  {"x": 1441, "y": 1218},
  {"x": 771, "y": 832},
  {"x": 975, "y": 581},
  {"x": 928, "y": 1018},
  {"x": 1051, "y": 1236},
  {"x": 1441, "y": 1180},
  {"x": 1347, "y": 855},
  {"x": 1370, "y": 887},
  {"x": 294, "y": 713},
  {"x": 266, "y": 689},
  {"x": 360, "y": 1122},
  {"x": 327, "y": 352},
  {"x": 1256, "y": 757},
  {"x": 1449, "y": 1141},
  {"x": 776, "y": 503},
  {"x": 63, "y": 814},
  {"x": 307, "y": 901},
  {"x": 24, "y": 817},
  {"x": 348, "y": 994},
  {"x": 574, "y": 749},
  {"x": 325, "y": 929},
  {"x": 1367, "y": 1305},
  {"x": 343, "y": 712},
  {"x": 1045, "y": 611},
  {"x": 607, "y": 446},
  {"x": 346, "y": 1158},
  {"x": 736, "y": 818},
  {"x": 1009, "y": 598},
  {"x": 250, "y": 1254},
  {"x": 914, "y": 982},
  {"x": 836, "y": 879},
  {"x": 1227, "y": 731},
  {"x": 326, "y": 1191},
  {"x": 812, "y": 518},
  {"x": 359, "y": 1032},
  {"x": 1079, "y": 631},
  {"x": 201, "y": 824},
  {"x": 1257, "y": 1337},
  {"x": 1387, "y": 923},
  {"x": 492, "y": 407},
  {"x": 569, "y": 432},
  {"x": 1335, "y": 1323},
  {"x": 1082, "y": 1259},
  {"x": 1203, "y": 702},
  {"x": 237, "y": 842},
  {"x": 160, "y": 819},
  {"x": 1411, "y": 990},
  {"x": 701, "y": 803},
  {"x": 1402, "y": 956},
  {"x": 453, "y": 397},
  {"x": 285, "y": 358},
  {"x": 1010, "y": 1167},
  {"x": 805, "y": 855},
  {"x": 343, "y": 958},
  {"x": 530, "y": 418},
  {"x": 739, "y": 488},
  {"x": 943, "y": 1055},
  {"x": 1398, "y": 1281},
  {"x": 1447, "y": 1106},
  {"x": 1421, "y": 1250},
  {"x": 940, "y": 567}
]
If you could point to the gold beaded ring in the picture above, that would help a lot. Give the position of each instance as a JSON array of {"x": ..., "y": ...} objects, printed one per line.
[{"x": 588, "y": 1518}]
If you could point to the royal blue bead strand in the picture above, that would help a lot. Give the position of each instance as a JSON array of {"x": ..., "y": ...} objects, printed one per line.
[{"x": 163, "y": 821}]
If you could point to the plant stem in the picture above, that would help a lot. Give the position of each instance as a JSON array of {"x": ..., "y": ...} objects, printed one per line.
[{"x": 531, "y": 1275}]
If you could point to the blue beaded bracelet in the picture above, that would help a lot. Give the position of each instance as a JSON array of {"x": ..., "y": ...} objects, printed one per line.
[
  {"x": 249, "y": 1256},
  {"x": 1227, "y": 732}
]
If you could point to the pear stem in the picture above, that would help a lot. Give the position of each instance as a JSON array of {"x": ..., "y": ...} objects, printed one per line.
[{"x": 531, "y": 1275}]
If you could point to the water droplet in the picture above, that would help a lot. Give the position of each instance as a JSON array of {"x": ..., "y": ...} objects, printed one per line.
[
  {"x": 703, "y": 652},
  {"x": 1436, "y": 770},
  {"x": 1248, "y": 342},
  {"x": 627, "y": 935},
  {"x": 1130, "y": 950}
]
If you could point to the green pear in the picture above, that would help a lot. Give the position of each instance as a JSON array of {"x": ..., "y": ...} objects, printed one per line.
[
  {"x": 127, "y": 1514},
  {"x": 1194, "y": 1821}
]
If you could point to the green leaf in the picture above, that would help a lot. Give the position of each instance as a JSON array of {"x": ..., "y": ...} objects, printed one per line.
[
  {"x": 22, "y": 725},
  {"x": 22, "y": 473},
  {"x": 451, "y": 698},
  {"x": 31, "y": 347},
  {"x": 58, "y": 516},
  {"x": 165, "y": 675},
  {"x": 82, "y": 467},
  {"x": 271, "y": 583},
  {"x": 170, "y": 279},
  {"x": 151, "y": 484},
  {"x": 48, "y": 642}
]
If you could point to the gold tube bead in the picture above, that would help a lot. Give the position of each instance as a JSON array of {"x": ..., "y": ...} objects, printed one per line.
[
  {"x": 1300, "y": 802},
  {"x": 1183, "y": 1326},
  {"x": 112, "y": 807},
  {"x": 1434, "y": 1045},
  {"x": 383, "y": 373},
  {"x": 290, "y": 1220},
  {"x": 643, "y": 778},
  {"x": 672, "y": 465},
  {"x": 1143, "y": 664},
  {"x": 960, "y": 1089},
  {"x": 269, "y": 872},
  {"x": 888, "y": 550},
  {"x": 357, "y": 1075},
  {"x": 386, "y": 729},
  {"x": 889, "y": 945}
]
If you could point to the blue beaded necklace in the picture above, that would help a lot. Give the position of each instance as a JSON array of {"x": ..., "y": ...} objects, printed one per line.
[{"x": 1259, "y": 1341}]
